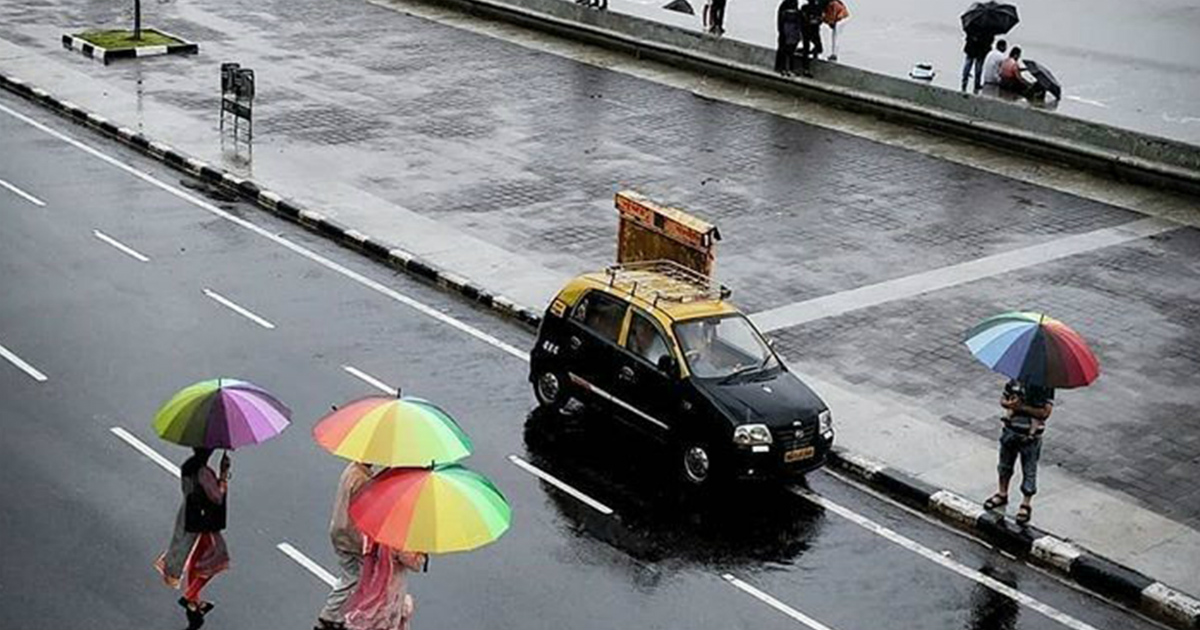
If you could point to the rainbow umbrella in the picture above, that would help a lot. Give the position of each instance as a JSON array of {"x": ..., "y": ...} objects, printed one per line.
[
  {"x": 390, "y": 431},
  {"x": 438, "y": 509},
  {"x": 221, "y": 413},
  {"x": 1034, "y": 349}
]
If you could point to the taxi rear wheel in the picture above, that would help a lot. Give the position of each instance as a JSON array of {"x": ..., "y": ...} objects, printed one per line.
[{"x": 550, "y": 389}]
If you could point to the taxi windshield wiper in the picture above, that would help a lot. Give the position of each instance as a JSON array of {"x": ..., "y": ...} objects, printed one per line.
[{"x": 729, "y": 378}]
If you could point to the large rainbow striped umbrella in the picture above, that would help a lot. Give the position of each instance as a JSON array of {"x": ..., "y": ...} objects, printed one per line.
[
  {"x": 1035, "y": 349},
  {"x": 439, "y": 509},
  {"x": 222, "y": 413},
  {"x": 390, "y": 431}
]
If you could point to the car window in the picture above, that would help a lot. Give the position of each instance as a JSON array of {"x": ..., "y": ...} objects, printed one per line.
[
  {"x": 721, "y": 346},
  {"x": 601, "y": 314},
  {"x": 645, "y": 340}
]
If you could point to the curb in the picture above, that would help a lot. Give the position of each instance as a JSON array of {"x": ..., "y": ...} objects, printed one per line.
[
  {"x": 104, "y": 55},
  {"x": 1059, "y": 555},
  {"x": 279, "y": 205}
]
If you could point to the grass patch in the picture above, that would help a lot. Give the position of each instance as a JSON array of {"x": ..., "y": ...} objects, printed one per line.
[{"x": 117, "y": 40}]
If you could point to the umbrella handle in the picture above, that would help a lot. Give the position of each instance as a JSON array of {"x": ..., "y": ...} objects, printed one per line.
[{"x": 425, "y": 569}]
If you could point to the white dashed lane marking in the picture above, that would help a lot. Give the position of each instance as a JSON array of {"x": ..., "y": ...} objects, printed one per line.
[
  {"x": 370, "y": 380},
  {"x": 22, "y": 194},
  {"x": 127, "y": 250},
  {"x": 244, "y": 312},
  {"x": 12, "y": 358}
]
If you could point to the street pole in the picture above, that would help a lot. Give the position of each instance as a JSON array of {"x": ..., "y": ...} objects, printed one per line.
[{"x": 137, "y": 19}]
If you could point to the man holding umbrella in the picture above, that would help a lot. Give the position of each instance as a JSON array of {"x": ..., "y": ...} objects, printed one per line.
[
  {"x": 982, "y": 23},
  {"x": 1026, "y": 412},
  {"x": 1039, "y": 353}
]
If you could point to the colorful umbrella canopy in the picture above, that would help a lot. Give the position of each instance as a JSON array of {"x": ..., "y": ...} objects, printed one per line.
[
  {"x": 389, "y": 431},
  {"x": 439, "y": 509},
  {"x": 1034, "y": 349},
  {"x": 221, "y": 413}
]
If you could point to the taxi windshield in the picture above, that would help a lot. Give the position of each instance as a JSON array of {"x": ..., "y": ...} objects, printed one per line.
[{"x": 722, "y": 347}]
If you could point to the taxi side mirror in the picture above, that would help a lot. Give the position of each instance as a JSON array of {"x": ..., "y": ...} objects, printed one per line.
[{"x": 666, "y": 363}]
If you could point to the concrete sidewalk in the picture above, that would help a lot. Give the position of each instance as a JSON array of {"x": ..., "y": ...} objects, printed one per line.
[{"x": 497, "y": 161}]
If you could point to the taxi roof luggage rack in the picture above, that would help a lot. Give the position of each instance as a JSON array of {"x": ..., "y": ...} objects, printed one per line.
[{"x": 665, "y": 280}]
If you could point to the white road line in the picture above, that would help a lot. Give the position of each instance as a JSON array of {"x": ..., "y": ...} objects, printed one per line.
[
  {"x": 144, "y": 449},
  {"x": 238, "y": 309},
  {"x": 317, "y": 258},
  {"x": 133, "y": 253},
  {"x": 24, "y": 195},
  {"x": 775, "y": 603},
  {"x": 560, "y": 484},
  {"x": 895, "y": 289},
  {"x": 370, "y": 380},
  {"x": 306, "y": 562},
  {"x": 929, "y": 554},
  {"x": 19, "y": 362}
]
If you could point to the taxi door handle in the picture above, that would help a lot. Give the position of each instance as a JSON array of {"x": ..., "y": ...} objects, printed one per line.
[
  {"x": 575, "y": 343},
  {"x": 626, "y": 374}
]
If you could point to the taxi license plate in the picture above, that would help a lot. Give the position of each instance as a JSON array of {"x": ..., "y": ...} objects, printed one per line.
[{"x": 798, "y": 454}]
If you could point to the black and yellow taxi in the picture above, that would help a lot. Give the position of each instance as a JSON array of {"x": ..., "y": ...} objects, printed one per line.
[{"x": 658, "y": 347}]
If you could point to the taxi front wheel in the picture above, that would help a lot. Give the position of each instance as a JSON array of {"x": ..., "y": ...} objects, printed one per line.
[
  {"x": 550, "y": 389},
  {"x": 696, "y": 464}
]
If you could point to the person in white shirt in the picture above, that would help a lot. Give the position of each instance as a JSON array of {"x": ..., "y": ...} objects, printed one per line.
[{"x": 991, "y": 64}]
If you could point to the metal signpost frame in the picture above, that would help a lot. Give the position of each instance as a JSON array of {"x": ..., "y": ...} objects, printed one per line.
[{"x": 237, "y": 98}]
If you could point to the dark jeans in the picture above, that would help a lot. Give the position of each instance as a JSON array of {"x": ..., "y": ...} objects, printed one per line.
[
  {"x": 977, "y": 62},
  {"x": 1028, "y": 449},
  {"x": 784, "y": 54},
  {"x": 810, "y": 45},
  {"x": 716, "y": 15}
]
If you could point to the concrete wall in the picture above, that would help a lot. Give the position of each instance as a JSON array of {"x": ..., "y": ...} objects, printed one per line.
[{"x": 1019, "y": 127}]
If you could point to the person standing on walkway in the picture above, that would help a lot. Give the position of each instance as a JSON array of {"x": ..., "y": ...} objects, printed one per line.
[
  {"x": 714, "y": 17},
  {"x": 787, "y": 25},
  {"x": 835, "y": 13},
  {"x": 977, "y": 47},
  {"x": 197, "y": 552},
  {"x": 347, "y": 545},
  {"x": 812, "y": 14},
  {"x": 991, "y": 65},
  {"x": 1026, "y": 410}
]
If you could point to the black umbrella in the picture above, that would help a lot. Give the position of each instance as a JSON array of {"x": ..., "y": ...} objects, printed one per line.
[
  {"x": 681, "y": 6},
  {"x": 1043, "y": 77},
  {"x": 990, "y": 18}
]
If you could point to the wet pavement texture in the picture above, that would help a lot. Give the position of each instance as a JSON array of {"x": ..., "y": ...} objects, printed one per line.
[
  {"x": 1138, "y": 305},
  {"x": 97, "y": 506},
  {"x": 523, "y": 150},
  {"x": 1132, "y": 65}
]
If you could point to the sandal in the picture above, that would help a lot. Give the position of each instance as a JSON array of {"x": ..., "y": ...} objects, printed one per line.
[
  {"x": 995, "y": 501},
  {"x": 1024, "y": 513}
]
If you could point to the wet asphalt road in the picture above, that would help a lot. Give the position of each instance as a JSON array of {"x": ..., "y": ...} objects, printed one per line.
[{"x": 114, "y": 336}]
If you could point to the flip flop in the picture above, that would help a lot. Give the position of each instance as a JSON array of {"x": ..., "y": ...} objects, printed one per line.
[
  {"x": 1024, "y": 513},
  {"x": 995, "y": 501}
]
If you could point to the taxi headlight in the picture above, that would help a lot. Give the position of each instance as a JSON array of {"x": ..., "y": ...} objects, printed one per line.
[
  {"x": 751, "y": 435},
  {"x": 825, "y": 422}
]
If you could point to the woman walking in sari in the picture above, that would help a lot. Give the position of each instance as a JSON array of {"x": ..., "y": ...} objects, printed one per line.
[
  {"x": 197, "y": 550},
  {"x": 382, "y": 601}
]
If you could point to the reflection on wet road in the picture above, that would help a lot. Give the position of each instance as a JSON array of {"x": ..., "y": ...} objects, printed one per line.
[{"x": 790, "y": 546}]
